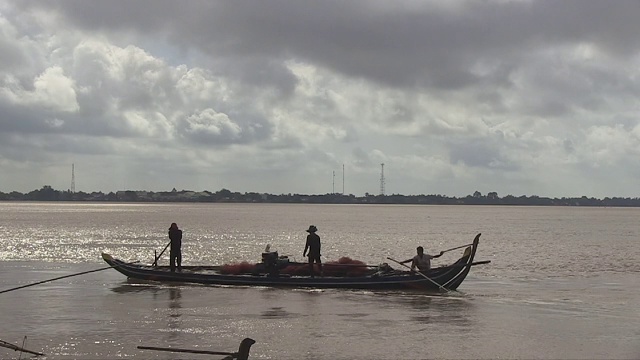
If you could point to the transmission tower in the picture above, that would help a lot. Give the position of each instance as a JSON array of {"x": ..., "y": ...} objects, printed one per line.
[
  {"x": 342, "y": 179},
  {"x": 73, "y": 178},
  {"x": 382, "y": 179},
  {"x": 333, "y": 191}
]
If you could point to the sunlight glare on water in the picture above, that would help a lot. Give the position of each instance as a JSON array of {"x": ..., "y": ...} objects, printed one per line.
[{"x": 563, "y": 282}]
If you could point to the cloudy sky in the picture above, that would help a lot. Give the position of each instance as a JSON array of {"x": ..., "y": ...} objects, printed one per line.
[{"x": 517, "y": 97}]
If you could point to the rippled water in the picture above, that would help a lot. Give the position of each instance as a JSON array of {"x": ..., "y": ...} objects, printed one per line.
[{"x": 563, "y": 282}]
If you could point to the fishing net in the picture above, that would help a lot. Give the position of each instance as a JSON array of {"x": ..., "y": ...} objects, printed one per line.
[{"x": 238, "y": 268}]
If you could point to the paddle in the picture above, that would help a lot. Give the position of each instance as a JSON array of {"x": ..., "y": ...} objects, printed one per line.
[
  {"x": 186, "y": 350},
  {"x": 462, "y": 265},
  {"x": 351, "y": 265},
  {"x": 419, "y": 273},
  {"x": 455, "y": 248},
  {"x": 18, "y": 348},
  {"x": 63, "y": 277},
  {"x": 155, "y": 262},
  {"x": 242, "y": 354}
]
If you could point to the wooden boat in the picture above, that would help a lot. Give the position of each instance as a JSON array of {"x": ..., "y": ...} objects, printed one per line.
[{"x": 443, "y": 278}]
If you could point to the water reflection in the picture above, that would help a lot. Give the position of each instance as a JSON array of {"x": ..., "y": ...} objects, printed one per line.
[
  {"x": 165, "y": 298},
  {"x": 174, "y": 323},
  {"x": 136, "y": 285},
  {"x": 126, "y": 288},
  {"x": 175, "y": 305},
  {"x": 453, "y": 309},
  {"x": 450, "y": 310},
  {"x": 275, "y": 313},
  {"x": 271, "y": 295}
]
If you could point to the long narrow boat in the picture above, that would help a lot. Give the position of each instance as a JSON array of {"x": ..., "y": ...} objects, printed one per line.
[{"x": 384, "y": 277}]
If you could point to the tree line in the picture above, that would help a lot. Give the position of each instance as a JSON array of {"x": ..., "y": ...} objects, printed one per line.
[{"x": 47, "y": 193}]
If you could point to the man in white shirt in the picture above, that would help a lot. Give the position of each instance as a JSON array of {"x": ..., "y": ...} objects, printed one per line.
[{"x": 422, "y": 261}]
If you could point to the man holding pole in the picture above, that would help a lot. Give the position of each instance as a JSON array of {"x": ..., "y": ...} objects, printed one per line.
[{"x": 422, "y": 261}]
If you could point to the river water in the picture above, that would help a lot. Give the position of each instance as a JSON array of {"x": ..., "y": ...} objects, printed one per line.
[{"x": 563, "y": 282}]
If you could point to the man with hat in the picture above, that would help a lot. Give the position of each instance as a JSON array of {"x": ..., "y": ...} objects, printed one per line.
[{"x": 313, "y": 245}]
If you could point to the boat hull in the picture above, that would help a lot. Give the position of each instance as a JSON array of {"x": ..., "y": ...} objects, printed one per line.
[{"x": 437, "y": 279}]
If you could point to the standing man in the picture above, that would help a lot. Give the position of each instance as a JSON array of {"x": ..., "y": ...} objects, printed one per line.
[
  {"x": 422, "y": 261},
  {"x": 175, "y": 256},
  {"x": 313, "y": 245}
]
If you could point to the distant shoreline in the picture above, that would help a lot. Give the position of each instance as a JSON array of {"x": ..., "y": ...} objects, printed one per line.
[{"x": 47, "y": 193}]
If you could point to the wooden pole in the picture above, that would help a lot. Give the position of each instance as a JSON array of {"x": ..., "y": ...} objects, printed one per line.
[
  {"x": 63, "y": 277},
  {"x": 462, "y": 265},
  {"x": 18, "y": 348},
  {"x": 457, "y": 247},
  {"x": 242, "y": 354},
  {"x": 421, "y": 274},
  {"x": 347, "y": 265},
  {"x": 190, "y": 351},
  {"x": 155, "y": 262}
]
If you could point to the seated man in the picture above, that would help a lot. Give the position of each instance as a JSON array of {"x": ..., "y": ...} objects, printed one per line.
[{"x": 421, "y": 260}]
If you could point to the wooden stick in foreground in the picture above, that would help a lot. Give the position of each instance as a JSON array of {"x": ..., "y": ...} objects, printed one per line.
[
  {"x": 242, "y": 354},
  {"x": 18, "y": 348}
]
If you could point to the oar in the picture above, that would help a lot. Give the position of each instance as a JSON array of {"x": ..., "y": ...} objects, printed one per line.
[
  {"x": 456, "y": 248},
  {"x": 186, "y": 350},
  {"x": 352, "y": 265},
  {"x": 462, "y": 265},
  {"x": 336, "y": 264},
  {"x": 18, "y": 348},
  {"x": 155, "y": 262},
  {"x": 64, "y": 277},
  {"x": 421, "y": 274},
  {"x": 242, "y": 354}
]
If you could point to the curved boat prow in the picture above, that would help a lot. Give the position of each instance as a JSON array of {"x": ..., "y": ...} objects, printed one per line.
[
  {"x": 473, "y": 248},
  {"x": 107, "y": 257}
]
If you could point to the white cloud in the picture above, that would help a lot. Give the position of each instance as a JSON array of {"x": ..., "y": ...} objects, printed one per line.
[
  {"x": 51, "y": 89},
  {"x": 210, "y": 125}
]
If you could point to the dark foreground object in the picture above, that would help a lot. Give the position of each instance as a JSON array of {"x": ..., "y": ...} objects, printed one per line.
[
  {"x": 437, "y": 279},
  {"x": 242, "y": 354},
  {"x": 18, "y": 348}
]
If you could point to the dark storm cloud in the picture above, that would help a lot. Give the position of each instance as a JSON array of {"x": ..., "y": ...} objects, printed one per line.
[
  {"x": 473, "y": 154},
  {"x": 259, "y": 74},
  {"x": 39, "y": 119},
  {"x": 18, "y": 119},
  {"x": 11, "y": 56},
  {"x": 425, "y": 44}
]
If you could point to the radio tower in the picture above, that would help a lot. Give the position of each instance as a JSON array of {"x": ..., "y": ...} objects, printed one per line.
[
  {"x": 73, "y": 178},
  {"x": 334, "y": 182},
  {"x": 342, "y": 179},
  {"x": 382, "y": 180}
]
